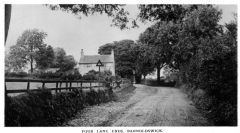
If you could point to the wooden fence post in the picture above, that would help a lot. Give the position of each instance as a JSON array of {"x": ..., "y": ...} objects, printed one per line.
[
  {"x": 81, "y": 85},
  {"x": 43, "y": 85},
  {"x": 60, "y": 87},
  {"x": 66, "y": 85},
  {"x": 56, "y": 87},
  {"x": 28, "y": 86},
  {"x": 70, "y": 89}
]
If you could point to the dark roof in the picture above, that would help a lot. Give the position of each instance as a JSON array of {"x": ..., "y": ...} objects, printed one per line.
[{"x": 90, "y": 59}]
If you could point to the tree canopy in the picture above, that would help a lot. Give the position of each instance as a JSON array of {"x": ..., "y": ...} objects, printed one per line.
[
  {"x": 62, "y": 60},
  {"x": 120, "y": 16},
  {"x": 159, "y": 39},
  {"x": 31, "y": 49},
  {"x": 27, "y": 49},
  {"x": 124, "y": 60},
  {"x": 202, "y": 51}
]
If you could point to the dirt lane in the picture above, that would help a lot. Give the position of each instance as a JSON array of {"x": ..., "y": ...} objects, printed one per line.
[{"x": 146, "y": 106}]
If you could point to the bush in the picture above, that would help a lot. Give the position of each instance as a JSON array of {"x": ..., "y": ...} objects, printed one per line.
[
  {"x": 48, "y": 75},
  {"x": 44, "y": 109},
  {"x": 217, "y": 77},
  {"x": 16, "y": 74},
  {"x": 59, "y": 75},
  {"x": 94, "y": 75}
]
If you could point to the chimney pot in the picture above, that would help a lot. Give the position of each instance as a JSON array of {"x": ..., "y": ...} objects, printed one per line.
[{"x": 82, "y": 52}]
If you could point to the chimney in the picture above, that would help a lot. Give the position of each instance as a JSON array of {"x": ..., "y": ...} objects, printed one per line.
[{"x": 82, "y": 52}]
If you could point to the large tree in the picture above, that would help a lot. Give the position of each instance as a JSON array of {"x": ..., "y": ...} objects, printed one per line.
[
  {"x": 26, "y": 48},
  {"x": 124, "y": 60},
  {"x": 159, "y": 39},
  {"x": 68, "y": 63},
  {"x": 45, "y": 57},
  {"x": 143, "y": 64},
  {"x": 62, "y": 60},
  {"x": 162, "y": 12},
  {"x": 120, "y": 16}
]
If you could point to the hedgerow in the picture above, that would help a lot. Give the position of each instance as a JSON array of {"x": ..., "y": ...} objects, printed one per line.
[{"x": 45, "y": 109}]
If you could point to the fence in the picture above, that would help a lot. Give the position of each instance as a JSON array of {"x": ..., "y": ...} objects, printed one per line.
[{"x": 58, "y": 83}]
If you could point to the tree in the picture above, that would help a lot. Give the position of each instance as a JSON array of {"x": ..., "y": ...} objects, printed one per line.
[
  {"x": 142, "y": 61},
  {"x": 115, "y": 11},
  {"x": 197, "y": 39},
  {"x": 59, "y": 54},
  {"x": 44, "y": 57},
  {"x": 25, "y": 50},
  {"x": 68, "y": 63},
  {"x": 159, "y": 39},
  {"x": 124, "y": 60},
  {"x": 121, "y": 19},
  {"x": 15, "y": 60},
  {"x": 162, "y": 12},
  {"x": 63, "y": 61}
]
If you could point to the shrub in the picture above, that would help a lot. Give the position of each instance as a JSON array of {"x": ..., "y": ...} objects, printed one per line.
[
  {"x": 44, "y": 109},
  {"x": 16, "y": 74},
  {"x": 58, "y": 75},
  {"x": 102, "y": 76}
]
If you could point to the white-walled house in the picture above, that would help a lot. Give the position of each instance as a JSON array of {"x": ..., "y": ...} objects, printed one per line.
[{"x": 89, "y": 62}]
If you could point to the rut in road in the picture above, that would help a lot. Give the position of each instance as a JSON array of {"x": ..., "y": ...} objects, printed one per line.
[{"x": 145, "y": 106}]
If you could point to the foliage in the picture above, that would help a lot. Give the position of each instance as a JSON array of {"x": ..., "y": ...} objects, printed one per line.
[
  {"x": 121, "y": 17},
  {"x": 142, "y": 61},
  {"x": 124, "y": 60},
  {"x": 115, "y": 11},
  {"x": 164, "y": 12},
  {"x": 63, "y": 61},
  {"x": 59, "y": 54},
  {"x": 25, "y": 50},
  {"x": 73, "y": 75},
  {"x": 68, "y": 63},
  {"x": 45, "y": 57},
  {"x": 15, "y": 60},
  {"x": 95, "y": 75},
  {"x": 44, "y": 109},
  {"x": 203, "y": 53},
  {"x": 159, "y": 39},
  {"x": 206, "y": 56},
  {"x": 16, "y": 74},
  {"x": 91, "y": 75}
]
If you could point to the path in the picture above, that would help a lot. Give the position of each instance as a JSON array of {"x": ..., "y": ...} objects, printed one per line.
[{"x": 145, "y": 106}]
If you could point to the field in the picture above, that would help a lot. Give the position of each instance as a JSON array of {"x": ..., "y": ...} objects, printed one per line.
[
  {"x": 33, "y": 85},
  {"x": 23, "y": 85}
]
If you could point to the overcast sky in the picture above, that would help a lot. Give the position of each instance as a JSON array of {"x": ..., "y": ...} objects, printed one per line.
[{"x": 73, "y": 34}]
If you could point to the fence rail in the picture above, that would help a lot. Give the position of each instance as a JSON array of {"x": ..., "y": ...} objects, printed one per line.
[{"x": 58, "y": 88}]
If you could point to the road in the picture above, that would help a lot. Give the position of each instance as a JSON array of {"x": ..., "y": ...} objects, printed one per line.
[{"x": 145, "y": 106}]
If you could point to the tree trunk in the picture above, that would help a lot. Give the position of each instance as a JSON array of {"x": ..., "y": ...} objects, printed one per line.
[
  {"x": 31, "y": 63},
  {"x": 158, "y": 73},
  {"x": 138, "y": 78},
  {"x": 8, "y": 8}
]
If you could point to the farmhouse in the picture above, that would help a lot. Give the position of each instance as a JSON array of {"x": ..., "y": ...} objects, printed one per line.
[{"x": 89, "y": 62}]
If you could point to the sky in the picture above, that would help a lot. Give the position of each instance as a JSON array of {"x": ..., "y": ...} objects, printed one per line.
[{"x": 73, "y": 34}]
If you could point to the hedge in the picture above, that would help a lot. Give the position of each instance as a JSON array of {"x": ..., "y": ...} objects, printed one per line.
[{"x": 45, "y": 109}]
